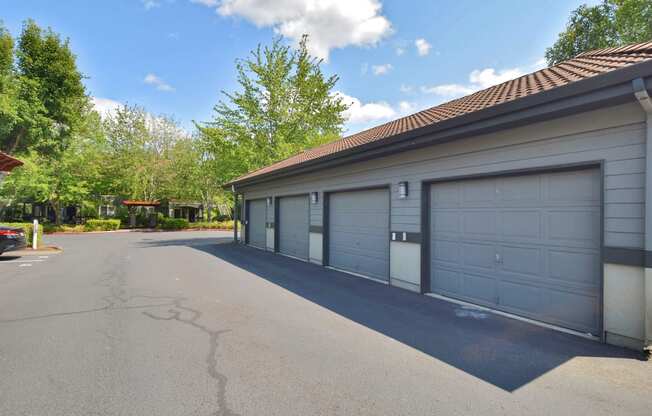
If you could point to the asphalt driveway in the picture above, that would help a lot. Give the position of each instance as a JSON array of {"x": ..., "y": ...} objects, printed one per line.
[{"x": 188, "y": 323}]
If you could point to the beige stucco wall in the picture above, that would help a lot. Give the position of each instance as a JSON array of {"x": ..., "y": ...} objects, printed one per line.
[
  {"x": 405, "y": 265},
  {"x": 624, "y": 300},
  {"x": 269, "y": 239},
  {"x": 316, "y": 250}
]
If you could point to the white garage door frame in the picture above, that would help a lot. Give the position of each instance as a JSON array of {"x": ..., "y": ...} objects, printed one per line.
[
  {"x": 326, "y": 227},
  {"x": 278, "y": 225},
  {"x": 426, "y": 228}
]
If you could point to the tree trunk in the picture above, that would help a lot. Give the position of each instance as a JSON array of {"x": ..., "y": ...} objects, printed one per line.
[
  {"x": 57, "y": 212},
  {"x": 16, "y": 138}
]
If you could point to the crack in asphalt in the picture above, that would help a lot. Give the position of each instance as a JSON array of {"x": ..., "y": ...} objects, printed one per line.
[
  {"x": 175, "y": 314},
  {"x": 114, "y": 280}
]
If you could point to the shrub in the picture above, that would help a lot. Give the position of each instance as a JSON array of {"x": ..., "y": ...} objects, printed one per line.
[
  {"x": 173, "y": 224},
  {"x": 53, "y": 228},
  {"x": 215, "y": 225},
  {"x": 102, "y": 225},
  {"x": 28, "y": 227}
]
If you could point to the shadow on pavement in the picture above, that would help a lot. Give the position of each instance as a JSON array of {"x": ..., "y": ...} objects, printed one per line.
[{"x": 504, "y": 352}]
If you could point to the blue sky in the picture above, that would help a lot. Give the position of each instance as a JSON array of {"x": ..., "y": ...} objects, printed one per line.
[{"x": 393, "y": 57}]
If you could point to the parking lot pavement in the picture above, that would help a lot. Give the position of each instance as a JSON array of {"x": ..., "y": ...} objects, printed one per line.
[
  {"x": 25, "y": 258},
  {"x": 187, "y": 323}
]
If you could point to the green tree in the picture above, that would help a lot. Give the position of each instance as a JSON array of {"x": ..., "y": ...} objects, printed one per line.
[
  {"x": 197, "y": 174},
  {"x": 608, "y": 24},
  {"x": 138, "y": 153},
  {"x": 42, "y": 98},
  {"x": 285, "y": 104}
]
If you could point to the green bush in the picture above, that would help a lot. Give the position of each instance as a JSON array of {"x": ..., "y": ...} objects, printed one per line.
[
  {"x": 28, "y": 227},
  {"x": 173, "y": 223},
  {"x": 215, "y": 225},
  {"x": 102, "y": 225},
  {"x": 63, "y": 228}
]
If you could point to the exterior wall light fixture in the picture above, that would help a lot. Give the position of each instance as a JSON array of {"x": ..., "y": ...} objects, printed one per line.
[
  {"x": 314, "y": 197},
  {"x": 402, "y": 190}
]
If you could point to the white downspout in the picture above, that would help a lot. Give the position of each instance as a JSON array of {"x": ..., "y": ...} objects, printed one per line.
[{"x": 643, "y": 97}]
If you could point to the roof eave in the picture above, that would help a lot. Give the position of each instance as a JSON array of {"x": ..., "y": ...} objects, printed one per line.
[{"x": 611, "y": 88}]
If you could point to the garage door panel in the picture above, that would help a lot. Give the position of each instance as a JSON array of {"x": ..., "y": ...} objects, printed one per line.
[
  {"x": 480, "y": 192},
  {"x": 359, "y": 232},
  {"x": 447, "y": 251},
  {"x": 578, "y": 309},
  {"x": 446, "y": 280},
  {"x": 294, "y": 225},
  {"x": 446, "y": 222},
  {"x": 574, "y": 267},
  {"x": 521, "y": 298},
  {"x": 578, "y": 226},
  {"x": 579, "y": 186},
  {"x": 521, "y": 224},
  {"x": 479, "y": 223},
  {"x": 520, "y": 191},
  {"x": 479, "y": 286},
  {"x": 526, "y": 244},
  {"x": 446, "y": 195},
  {"x": 523, "y": 260},
  {"x": 256, "y": 223},
  {"x": 479, "y": 255}
]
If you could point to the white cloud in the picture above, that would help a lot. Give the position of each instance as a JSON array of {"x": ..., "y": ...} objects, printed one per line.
[
  {"x": 423, "y": 47},
  {"x": 540, "y": 64},
  {"x": 150, "y": 4},
  {"x": 381, "y": 69},
  {"x": 487, "y": 77},
  {"x": 105, "y": 106},
  {"x": 478, "y": 79},
  {"x": 406, "y": 107},
  {"x": 365, "y": 113},
  {"x": 330, "y": 24},
  {"x": 448, "y": 90},
  {"x": 406, "y": 89},
  {"x": 400, "y": 51},
  {"x": 153, "y": 79},
  {"x": 207, "y": 3},
  {"x": 364, "y": 68}
]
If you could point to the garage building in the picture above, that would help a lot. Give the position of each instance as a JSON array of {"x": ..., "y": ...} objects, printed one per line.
[{"x": 527, "y": 198}]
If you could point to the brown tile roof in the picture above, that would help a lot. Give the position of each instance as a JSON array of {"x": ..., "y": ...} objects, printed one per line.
[
  {"x": 7, "y": 162},
  {"x": 586, "y": 65}
]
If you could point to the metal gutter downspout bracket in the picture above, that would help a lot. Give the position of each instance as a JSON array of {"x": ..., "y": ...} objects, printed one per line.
[{"x": 643, "y": 97}]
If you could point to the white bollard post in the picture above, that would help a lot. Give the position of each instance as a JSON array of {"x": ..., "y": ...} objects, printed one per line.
[{"x": 35, "y": 235}]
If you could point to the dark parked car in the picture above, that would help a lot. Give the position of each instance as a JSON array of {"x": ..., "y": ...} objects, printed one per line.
[{"x": 11, "y": 239}]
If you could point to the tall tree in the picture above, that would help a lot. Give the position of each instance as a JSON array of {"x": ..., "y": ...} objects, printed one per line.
[
  {"x": 139, "y": 153},
  {"x": 44, "y": 98},
  {"x": 610, "y": 23},
  {"x": 285, "y": 104}
]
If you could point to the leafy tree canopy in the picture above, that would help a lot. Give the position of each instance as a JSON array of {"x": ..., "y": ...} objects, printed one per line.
[
  {"x": 608, "y": 24},
  {"x": 42, "y": 97},
  {"x": 285, "y": 104}
]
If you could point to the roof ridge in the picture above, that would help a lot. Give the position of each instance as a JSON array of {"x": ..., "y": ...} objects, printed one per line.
[
  {"x": 566, "y": 72},
  {"x": 618, "y": 50}
]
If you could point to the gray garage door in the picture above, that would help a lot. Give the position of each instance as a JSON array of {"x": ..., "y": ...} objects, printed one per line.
[
  {"x": 359, "y": 232},
  {"x": 294, "y": 213},
  {"x": 528, "y": 245},
  {"x": 256, "y": 224}
]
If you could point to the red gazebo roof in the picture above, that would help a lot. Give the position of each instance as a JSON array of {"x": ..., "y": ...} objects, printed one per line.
[
  {"x": 7, "y": 162},
  {"x": 140, "y": 203}
]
